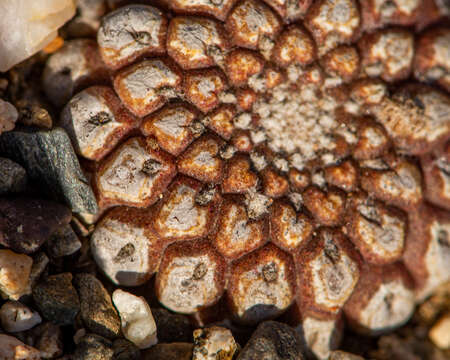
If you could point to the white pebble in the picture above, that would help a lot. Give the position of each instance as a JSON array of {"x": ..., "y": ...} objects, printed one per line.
[
  {"x": 136, "y": 317},
  {"x": 27, "y": 26},
  {"x": 440, "y": 333},
  {"x": 16, "y": 317}
]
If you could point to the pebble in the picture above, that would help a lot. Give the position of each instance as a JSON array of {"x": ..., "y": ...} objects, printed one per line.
[
  {"x": 79, "y": 334},
  {"x": 40, "y": 262},
  {"x": 34, "y": 27},
  {"x": 440, "y": 332},
  {"x": 57, "y": 299},
  {"x": 125, "y": 350},
  {"x": 49, "y": 159},
  {"x": 172, "y": 351},
  {"x": 15, "y": 317},
  {"x": 14, "y": 349},
  {"x": 25, "y": 224},
  {"x": 93, "y": 347},
  {"x": 8, "y": 116},
  {"x": 273, "y": 340},
  {"x": 13, "y": 177},
  {"x": 97, "y": 310},
  {"x": 214, "y": 343},
  {"x": 14, "y": 274},
  {"x": 172, "y": 327},
  {"x": 48, "y": 340},
  {"x": 136, "y": 317},
  {"x": 63, "y": 242},
  {"x": 32, "y": 111},
  {"x": 342, "y": 355}
]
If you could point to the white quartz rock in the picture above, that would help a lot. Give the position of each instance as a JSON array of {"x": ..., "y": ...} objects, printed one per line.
[
  {"x": 136, "y": 317},
  {"x": 16, "y": 317},
  {"x": 27, "y": 26}
]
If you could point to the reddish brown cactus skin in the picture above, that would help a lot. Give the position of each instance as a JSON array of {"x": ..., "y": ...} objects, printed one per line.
[{"x": 275, "y": 135}]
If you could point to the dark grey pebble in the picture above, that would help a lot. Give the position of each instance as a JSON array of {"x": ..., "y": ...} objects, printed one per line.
[
  {"x": 97, "y": 311},
  {"x": 13, "y": 177},
  {"x": 56, "y": 299},
  {"x": 63, "y": 242},
  {"x": 49, "y": 159},
  {"x": 93, "y": 347},
  {"x": 25, "y": 224},
  {"x": 125, "y": 350},
  {"x": 172, "y": 327},
  {"x": 273, "y": 340}
]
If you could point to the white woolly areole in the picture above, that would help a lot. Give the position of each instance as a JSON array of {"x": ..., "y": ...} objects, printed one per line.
[
  {"x": 391, "y": 306},
  {"x": 108, "y": 239},
  {"x": 298, "y": 122},
  {"x": 180, "y": 291},
  {"x": 393, "y": 51},
  {"x": 336, "y": 18}
]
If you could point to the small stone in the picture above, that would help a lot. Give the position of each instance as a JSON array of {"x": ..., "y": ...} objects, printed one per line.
[
  {"x": 93, "y": 347},
  {"x": 273, "y": 341},
  {"x": 214, "y": 343},
  {"x": 13, "y": 177},
  {"x": 125, "y": 350},
  {"x": 13, "y": 349},
  {"x": 138, "y": 324},
  {"x": 57, "y": 299},
  {"x": 15, "y": 317},
  {"x": 172, "y": 327},
  {"x": 440, "y": 332},
  {"x": 48, "y": 340},
  {"x": 79, "y": 334},
  {"x": 173, "y": 351},
  {"x": 40, "y": 262},
  {"x": 14, "y": 274},
  {"x": 50, "y": 160},
  {"x": 8, "y": 116},
  {"x": 342, "y": 355},
  {"x": 97, "y": 310},
  {"x": 63, "y": 242},
  {"x": 32, "y": 113},
  {"x": 25, "y": 224}
]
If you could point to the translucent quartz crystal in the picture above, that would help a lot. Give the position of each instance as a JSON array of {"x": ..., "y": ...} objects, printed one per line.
[{"x": 27, "y": 26}]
